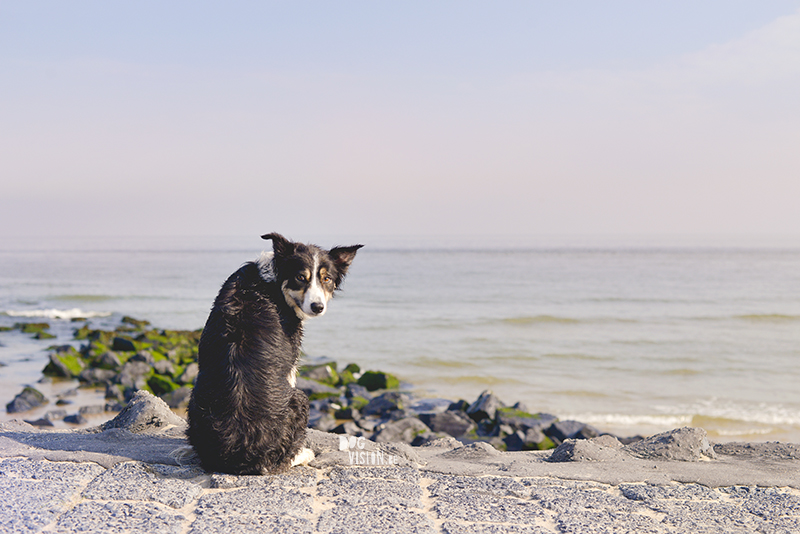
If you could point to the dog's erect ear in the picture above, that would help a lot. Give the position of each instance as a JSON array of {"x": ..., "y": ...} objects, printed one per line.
[
  {"x": 282, "y": 246},
  {"x": 343, "y": 256}
]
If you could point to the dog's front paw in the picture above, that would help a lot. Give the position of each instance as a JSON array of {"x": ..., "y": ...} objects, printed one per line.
[{"x": 303, "y": 457}]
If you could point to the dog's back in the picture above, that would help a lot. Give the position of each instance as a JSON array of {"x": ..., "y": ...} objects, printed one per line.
[{"x": 244, "y": 416}]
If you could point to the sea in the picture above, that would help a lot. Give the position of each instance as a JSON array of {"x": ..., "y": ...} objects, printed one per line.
[{"x": 632, "y": 335}]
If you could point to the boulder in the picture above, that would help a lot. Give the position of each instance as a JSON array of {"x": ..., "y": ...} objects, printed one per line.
[
  {"x": 109, "y": 360},
  {"x": 29, "y": 399},
  {"x": 404, "y": 431},
  {"x": 311, "y": 387},
  {"x": 383, "y": 405},
  {"x": 683, "y": 444},
  {"x": 189, "y": 374},
  {"x": 600, "y": 449},
  {"x": 145, "y": 413},
  {"x": 178, "y": 398},
  {"x": 485, "y": 407},
  {"x": 455, "y": 424},
  {"x": 133, "y": 374},
  {"x": 374, "y": 380},
  {"x": 94, "y": 376},
  {"x": 65, "y": 361},
  {"x": 561, "y": 431},
  {"x": 122, "y": 344},
  {"x": 522, "y": 420}
]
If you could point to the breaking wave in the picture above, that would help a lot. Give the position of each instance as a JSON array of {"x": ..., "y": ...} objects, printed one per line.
[{"x": 53, "y": 313}]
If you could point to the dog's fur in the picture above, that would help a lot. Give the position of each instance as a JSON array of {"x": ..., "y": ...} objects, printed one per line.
[{"x": 245, "y": 415}]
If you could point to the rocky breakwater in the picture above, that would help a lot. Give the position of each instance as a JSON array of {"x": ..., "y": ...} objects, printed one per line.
[
  {"x": 134, "y": 356},
  {"x": 372, "y": 404}
]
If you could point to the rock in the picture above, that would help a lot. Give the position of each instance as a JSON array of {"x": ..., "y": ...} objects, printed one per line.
[
  {"x": 384, "y": 404},
  {"x": 133, "y": 374},
  {"x": 109, "y": 360},
  {"x": 453, "y": 423},
  {"x": 346, "y": 413},
  {"x": 374, "y": 380},
  {"x": 138, "y": 323},
  {"x": 354, "y": 390},
  {"x": 485, "y": 407},
  {"x": 430, "y": 406},
  {"x": 164, "y": 367},
  {"x": 522, "y": 420},
  {"x": 122, "y": 344},
  {"x": 95, "y": 409},
  {"x": 322, "y": 421},
  {"x": 76, "y": 419},
  {"x": 145, "y": 413},
  {"x": 311, "y": 387},
  {"x": 458, "y": 406},
  {"x": 97, "y": 376},
  {"x": 142, "y": 356},
  {"x": 114, "y": 407},
  {"x": 404, "y": 430},
  {"x": 178, "y": 398},
  {"x": 55, "y": 415},
  {"x": 348, "y": 427},
  {"x": 40, "y": 422},
  {"x": 189, "y": 374},
  {"x": 600, "y": 449},
  {"x": 29, "y": 399},
  {"x": 65, "y": 361},
  {"x": 325, "y": 373},
  {"x": 161, "y": 384},
  {"x": 683, "y": 444},
  {"x": 561, "y": 431}
]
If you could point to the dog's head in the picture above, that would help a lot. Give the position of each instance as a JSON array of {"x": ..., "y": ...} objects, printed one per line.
[{"x": 307, "y": 274}]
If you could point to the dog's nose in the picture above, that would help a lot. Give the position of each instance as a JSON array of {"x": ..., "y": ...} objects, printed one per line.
[{"x": 317, "y": 307}]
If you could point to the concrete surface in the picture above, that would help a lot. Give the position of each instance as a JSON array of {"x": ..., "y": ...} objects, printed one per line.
[{"x": 116, "y": 480}]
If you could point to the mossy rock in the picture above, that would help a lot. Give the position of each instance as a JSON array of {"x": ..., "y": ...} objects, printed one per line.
[
  {"x": 66, "y": 364},
  {"x": 323, "y": 395},
  {"x": 33, "y": 328},
  {"x": 44, "y": 335},
  {"x": 324, "y": 373},
  {"x": 352, "y": 368},
  {"x": 358, "y": 402},
  {"x": 138, "y": 323},
  {"x": 6, "y": 328},
  {"x": 82, "y": 332},
  {"x": 346, "y": 377},
  {"x": 161, "y": 384},
  {"x": 374, "y": 380}
]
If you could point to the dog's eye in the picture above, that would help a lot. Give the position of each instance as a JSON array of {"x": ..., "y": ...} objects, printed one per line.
[
  {"x": 301, "y": 278},
  {"x": 327, "y": 279}
]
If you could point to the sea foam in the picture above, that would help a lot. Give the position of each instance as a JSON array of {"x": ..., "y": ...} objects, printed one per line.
[{"x": 53, "y": 313}]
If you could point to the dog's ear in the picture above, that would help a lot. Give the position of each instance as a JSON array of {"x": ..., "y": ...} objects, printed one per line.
[
  {"x": 342, "y": 257},
  {"x": 282, "y": 246}
]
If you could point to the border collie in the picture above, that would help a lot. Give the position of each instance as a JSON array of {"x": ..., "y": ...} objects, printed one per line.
[{"x": 245, "y": 414}]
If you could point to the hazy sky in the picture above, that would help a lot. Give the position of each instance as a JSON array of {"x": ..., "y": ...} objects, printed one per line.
[{"x": 362, "y": 118}]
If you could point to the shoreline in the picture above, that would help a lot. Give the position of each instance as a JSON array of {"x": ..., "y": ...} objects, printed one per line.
[{"x": 91, "y": 402}]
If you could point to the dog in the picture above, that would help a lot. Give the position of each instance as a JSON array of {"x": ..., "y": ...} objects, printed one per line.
[{"x": 246, "y": 416}]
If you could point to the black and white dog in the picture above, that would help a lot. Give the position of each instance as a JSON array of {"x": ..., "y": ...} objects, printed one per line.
[{"x": 245, "y": 414}]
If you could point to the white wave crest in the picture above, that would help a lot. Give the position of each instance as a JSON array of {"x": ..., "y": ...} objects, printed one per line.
[{"x": 53, "y": 313}]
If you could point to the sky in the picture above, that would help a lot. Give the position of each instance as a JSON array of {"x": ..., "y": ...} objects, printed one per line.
[{"x": 400, "y": 118}]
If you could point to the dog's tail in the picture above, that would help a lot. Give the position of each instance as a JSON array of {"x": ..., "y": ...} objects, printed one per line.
[{"x": 184, "y": 456}]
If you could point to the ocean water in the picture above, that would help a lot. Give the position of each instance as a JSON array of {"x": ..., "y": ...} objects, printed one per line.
[{"x": 635, "y": 338}]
